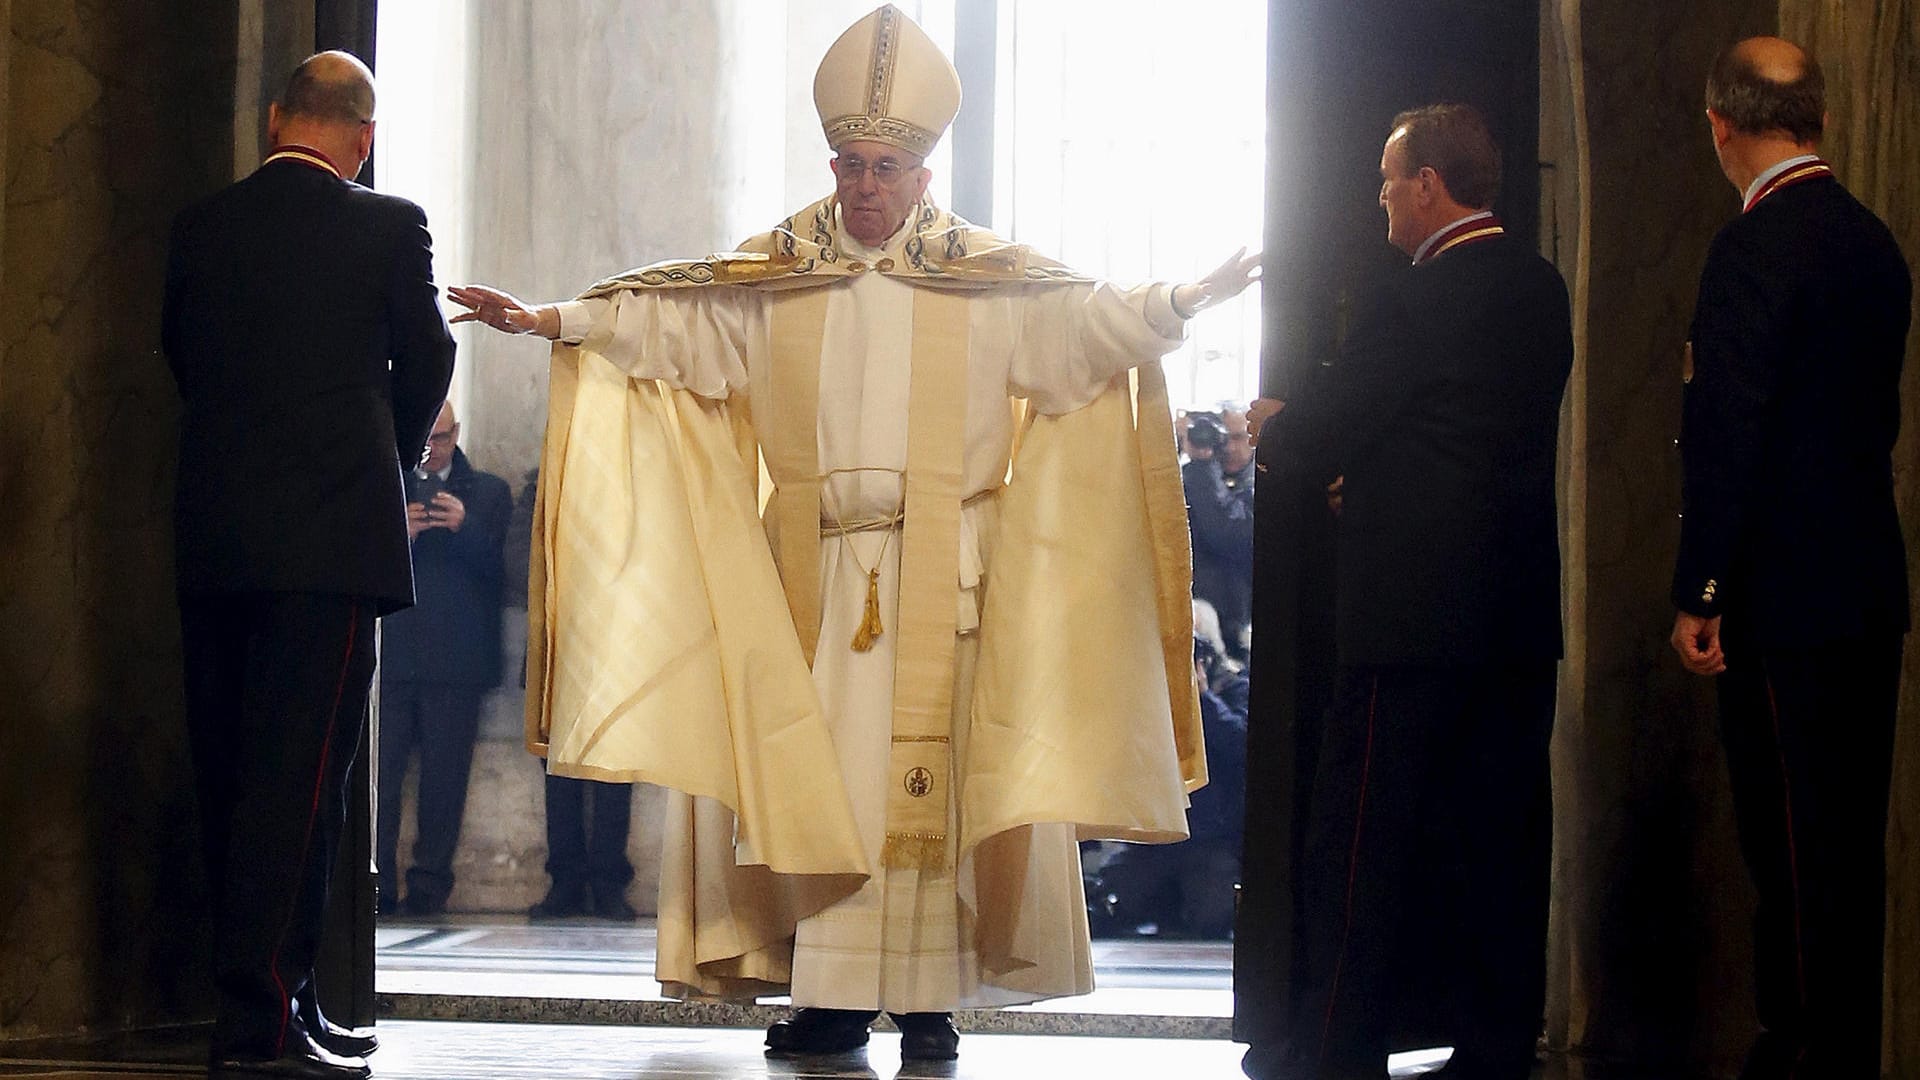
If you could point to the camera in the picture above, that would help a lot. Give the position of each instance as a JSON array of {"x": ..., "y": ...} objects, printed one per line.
[
  {"x": 1205, "y": 654},
  {"x": 1206, "y": 431}
]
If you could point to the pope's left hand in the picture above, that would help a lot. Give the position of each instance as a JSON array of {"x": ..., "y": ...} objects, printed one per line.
[{"x": 1223, "y": 283}]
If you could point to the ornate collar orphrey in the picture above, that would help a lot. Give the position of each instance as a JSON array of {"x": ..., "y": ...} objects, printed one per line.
[{"x": 941, "y": 250}]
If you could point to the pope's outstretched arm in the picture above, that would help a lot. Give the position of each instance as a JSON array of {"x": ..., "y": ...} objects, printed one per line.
[
  {"x": 703, "y": 340},
  {"x": 505, "y": 312}
]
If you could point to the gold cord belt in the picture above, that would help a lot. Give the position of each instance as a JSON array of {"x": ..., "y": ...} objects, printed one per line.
[
  {"x": 871, "y": 627},
  {"x": 835, "y": 527}
]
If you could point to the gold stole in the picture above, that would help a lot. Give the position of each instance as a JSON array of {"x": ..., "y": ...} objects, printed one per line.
[
  {"x": 1166, "y": 500},
  {"x": 918, "y": 827},
  {"x": 790, "y": 440},
  {"x": 917, "y": 802}
]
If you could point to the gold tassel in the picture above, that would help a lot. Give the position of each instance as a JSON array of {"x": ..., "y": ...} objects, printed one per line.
[{"x": 870, "y": 627}]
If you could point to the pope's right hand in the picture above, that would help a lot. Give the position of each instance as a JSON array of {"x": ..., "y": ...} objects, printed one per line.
[{"x": 504, "y": 312}]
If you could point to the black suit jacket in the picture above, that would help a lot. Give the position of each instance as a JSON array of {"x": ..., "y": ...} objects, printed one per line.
[
  {"x": 452, "y": 635},
  {"x": 1799, "y": 335},
  {"x": 311, "y": 358},
  {"x": 1442, "y": 412}
]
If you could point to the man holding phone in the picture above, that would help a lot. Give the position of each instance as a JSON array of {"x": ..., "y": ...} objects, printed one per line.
[{"x": 438, "y": 660}]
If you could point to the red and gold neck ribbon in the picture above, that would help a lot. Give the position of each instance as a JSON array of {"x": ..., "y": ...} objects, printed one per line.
[
  {"x": 306, "y": 155},
  {"x": 1805, "y": 171},
  {"x": 1460, "y": 235}
]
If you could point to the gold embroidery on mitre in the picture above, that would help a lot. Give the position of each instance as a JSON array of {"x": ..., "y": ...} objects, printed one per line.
[
  {"x": 884, "y": 80},
  {"x": 886, "y": 42},
  {"x": 893, "y": 131}
]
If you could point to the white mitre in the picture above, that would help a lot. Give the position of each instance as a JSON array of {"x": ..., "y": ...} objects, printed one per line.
[{"x": 885, "y": 81}]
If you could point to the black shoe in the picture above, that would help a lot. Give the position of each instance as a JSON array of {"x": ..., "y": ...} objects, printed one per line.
[
  {"x": 820, "y": 1031},
  {"x": 305, "y": 1061},
  {"x": 610, "y": 902},
  {"x": 340, "y": 1041},
  {"x": 562, "y": 902},
  {"x": 927, "y": 1036}
]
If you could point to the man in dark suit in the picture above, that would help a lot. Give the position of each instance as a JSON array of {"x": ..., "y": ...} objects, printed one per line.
[
  {"x": 301, "y": 325},
  {"x": 438, "y": 660},
  {"x": 1442, "y": 413},
  {"x": 1791, "y": 579}
]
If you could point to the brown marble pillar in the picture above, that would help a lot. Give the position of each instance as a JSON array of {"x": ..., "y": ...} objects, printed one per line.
[
  {"x": 114, "y": 117},
  {"x": 1649, "y": 954},
  {"x": 1868, "y": 54}
]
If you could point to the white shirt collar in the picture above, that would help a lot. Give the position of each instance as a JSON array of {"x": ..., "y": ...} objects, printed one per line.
[
  {"x": 1763, "y": 179},
  {"x": 1421, "y": 251}
]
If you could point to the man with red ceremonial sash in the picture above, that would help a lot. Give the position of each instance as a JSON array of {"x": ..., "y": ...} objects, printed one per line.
[
  {"x": 1791, "y": 579},
  {"x": 1431, "y": 783}
]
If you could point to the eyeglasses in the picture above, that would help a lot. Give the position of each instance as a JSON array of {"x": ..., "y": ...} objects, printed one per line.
[
  {"x": 442, "y": 438},
  {"x": 888, "y": 172}
]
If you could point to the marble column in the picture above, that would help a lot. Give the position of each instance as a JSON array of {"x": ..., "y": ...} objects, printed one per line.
[
  {"x": 595, "y": 137},
  {"x": 602, "y": 140},
  {"x": 115, "y": 117},
  {"x": 1867, "y": 53}
]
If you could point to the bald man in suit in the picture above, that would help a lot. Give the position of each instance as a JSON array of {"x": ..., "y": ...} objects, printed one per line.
[
  {"x": 1791, "y": 583},
  {"x": 305, "y": 338}
]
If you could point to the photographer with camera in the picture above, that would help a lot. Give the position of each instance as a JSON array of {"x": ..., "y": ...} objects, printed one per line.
[
  {"x": 438, "y": 660},
  {"x": 1219, "y": 488}
]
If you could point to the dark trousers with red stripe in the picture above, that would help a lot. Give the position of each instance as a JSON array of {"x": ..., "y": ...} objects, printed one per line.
[
  {"x": 276, "y": 700},
  {"x": 1809, "y": 740},
  {"x": 1428, "y": 842}
]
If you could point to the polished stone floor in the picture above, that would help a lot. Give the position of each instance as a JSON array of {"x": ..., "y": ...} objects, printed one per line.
[
  {"x": 479, "y": 999},
  {"x": 444, "y": 1050},
  {"x": 471, "y": 968},
  {"x": 441, "y": 1050}
]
